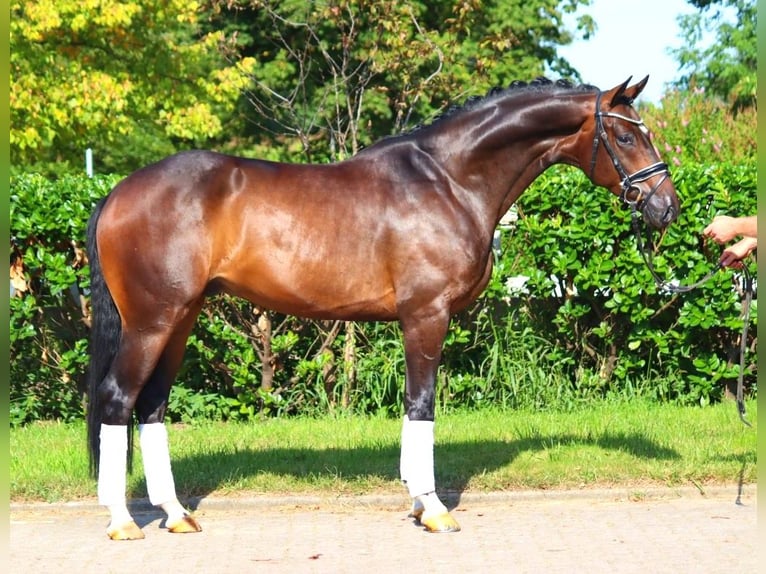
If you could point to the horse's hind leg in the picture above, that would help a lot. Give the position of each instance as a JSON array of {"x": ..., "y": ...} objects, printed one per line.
[
  {"x": 132, "y": 366},
  {"x": 150, "y": 409}
]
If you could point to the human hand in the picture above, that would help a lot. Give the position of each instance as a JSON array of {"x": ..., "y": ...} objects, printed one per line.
[
  {"x": 732, "y": 256},
  {"x": 722, "y": 229}
]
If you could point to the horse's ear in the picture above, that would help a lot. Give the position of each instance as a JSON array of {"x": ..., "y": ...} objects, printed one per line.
[
  {"x": 633, "y": 91},
  {"x": 618, "y": 94},
  {"x": 623, "y": 94}
]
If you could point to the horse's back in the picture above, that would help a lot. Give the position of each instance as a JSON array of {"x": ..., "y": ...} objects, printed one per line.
[{"x": 276, "y": 234}]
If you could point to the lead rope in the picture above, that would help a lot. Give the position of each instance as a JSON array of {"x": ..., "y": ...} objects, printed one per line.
[
  {"x": 646, "y": 255},
  {"x": 747, "y": 299}
]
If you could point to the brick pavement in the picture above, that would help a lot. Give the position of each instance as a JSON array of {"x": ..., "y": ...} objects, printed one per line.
[{"x": 658, "y": 531}]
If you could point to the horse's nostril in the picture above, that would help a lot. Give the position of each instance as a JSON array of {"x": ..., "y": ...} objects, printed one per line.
[{"x": 670, "y": 215}]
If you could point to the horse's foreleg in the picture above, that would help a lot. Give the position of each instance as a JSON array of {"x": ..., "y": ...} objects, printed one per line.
[
  {"x": 423, "y": 344},
  {"x": 417, "y": 472}
]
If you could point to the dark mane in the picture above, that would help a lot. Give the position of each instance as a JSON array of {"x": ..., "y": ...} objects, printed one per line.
[{"x": 539, "y": 84}]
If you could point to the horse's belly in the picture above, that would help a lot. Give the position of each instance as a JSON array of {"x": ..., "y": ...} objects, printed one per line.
[{"x": 313, "y": 295}]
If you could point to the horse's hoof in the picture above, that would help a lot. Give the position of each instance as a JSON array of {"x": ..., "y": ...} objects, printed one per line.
[
  {"x": 440, "y": 523},
  {"x": 184, "y": 525},
  {"x": 127, "y": 531}
]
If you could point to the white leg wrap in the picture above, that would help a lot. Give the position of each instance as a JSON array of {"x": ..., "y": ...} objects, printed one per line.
[
  {"x": 431, "y": 504},
  {"x": 113, "y": 467},
  {"x": 156, "y": 455},
  {"x": 417, "y": 456}
]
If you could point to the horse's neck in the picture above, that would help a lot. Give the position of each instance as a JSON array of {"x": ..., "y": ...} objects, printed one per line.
[{"x": 505, "y": 146}]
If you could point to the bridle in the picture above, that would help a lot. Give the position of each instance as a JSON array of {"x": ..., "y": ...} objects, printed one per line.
[{"x": 628, "y": 183}]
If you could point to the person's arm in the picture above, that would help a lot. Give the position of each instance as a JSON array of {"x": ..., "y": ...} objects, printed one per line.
[{"x": 724, "y": 228}]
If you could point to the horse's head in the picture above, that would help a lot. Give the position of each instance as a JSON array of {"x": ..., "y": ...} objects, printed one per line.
[{"x": 624, "y": 160}]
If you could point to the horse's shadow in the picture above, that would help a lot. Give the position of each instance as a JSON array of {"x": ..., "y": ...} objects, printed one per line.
[{"x": 476, "y": 457}]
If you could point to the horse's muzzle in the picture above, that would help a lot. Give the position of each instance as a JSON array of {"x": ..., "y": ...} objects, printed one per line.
[{"x": 660, "y": 211}]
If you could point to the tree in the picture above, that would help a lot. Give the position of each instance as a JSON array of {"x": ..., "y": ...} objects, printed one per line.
[
  {"x": 727, "y": 68},
  {"x": 331, "y": 76},
  {"x": 134, "y": 80},
  {"x": 141, "y": 79}
]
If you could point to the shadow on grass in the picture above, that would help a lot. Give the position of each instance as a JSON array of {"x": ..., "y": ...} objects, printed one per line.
[{"x": 456, "y": 462}]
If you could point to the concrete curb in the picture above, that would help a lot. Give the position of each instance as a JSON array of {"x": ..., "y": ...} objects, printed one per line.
[{"x": 393, "y": 501}]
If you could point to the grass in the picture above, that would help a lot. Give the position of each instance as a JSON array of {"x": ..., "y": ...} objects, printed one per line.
[{"x": 630, "y": 445}]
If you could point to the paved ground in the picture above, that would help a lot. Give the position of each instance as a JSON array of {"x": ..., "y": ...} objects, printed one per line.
[{"x": 655, "y": 531}]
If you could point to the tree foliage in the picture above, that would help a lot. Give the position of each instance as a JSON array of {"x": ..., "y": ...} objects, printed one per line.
[
  {"x": 690, "y": 127},
  {"x": 287, "y": 79},
  {"x": 132, "y": 80},
  {"x": 727, "y": 67},
  {"x": 338, "y": 75},
  {"x": 295, "y": 80}
]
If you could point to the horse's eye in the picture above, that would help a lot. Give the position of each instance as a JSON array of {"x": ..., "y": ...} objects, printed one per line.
[{"x": 625, "y": 139}]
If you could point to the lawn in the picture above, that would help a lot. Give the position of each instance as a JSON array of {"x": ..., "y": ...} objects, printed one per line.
[{"x": 632, "y": 445}]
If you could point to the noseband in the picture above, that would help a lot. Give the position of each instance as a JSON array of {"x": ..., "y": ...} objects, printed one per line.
[{"x": 628, "y": 181}]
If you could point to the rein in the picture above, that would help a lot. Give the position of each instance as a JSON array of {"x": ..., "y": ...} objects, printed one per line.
[
  {"x": 747, "y": 298},
  {"x": 628, "y": 183},
  {"x": 646, "y": 255}
]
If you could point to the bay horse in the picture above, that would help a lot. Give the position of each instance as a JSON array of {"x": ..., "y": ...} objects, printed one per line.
[{"x": 402, "y": 231}]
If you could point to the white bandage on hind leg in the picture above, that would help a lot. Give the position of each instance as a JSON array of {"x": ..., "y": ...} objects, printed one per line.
[
  {"x": 112, "y": 465},
  {"x": 156, "y": 455},
  {"x": 417, "y": 456}
]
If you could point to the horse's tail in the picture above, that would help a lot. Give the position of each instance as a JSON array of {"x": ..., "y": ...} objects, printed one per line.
[{"x": 105, "y": 332}]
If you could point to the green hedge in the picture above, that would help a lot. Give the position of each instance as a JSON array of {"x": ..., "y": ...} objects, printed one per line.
[
  {"x": 49, "y": 271},
  {"x": 609, "y": 322},
  {"x": 588, "y": 322}
]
